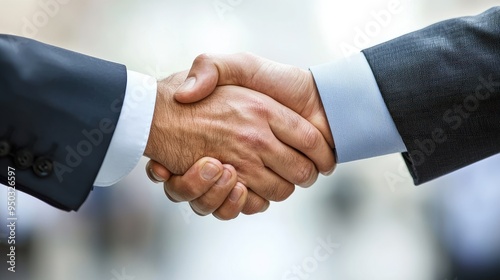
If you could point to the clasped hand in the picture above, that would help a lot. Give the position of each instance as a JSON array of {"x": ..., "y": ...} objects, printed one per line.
[{"x": 242, "y": 129}]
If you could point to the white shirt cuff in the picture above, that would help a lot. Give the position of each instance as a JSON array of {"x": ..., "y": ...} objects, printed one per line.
[
  {"x": 132, "y": 130},
  {"x": 361, "y": 124}
]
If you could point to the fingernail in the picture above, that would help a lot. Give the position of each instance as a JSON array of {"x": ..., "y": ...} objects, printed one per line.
[
  {"x": 330, "y": 172},
  {"x": 265, "y": 208},
  {"x": 187, "y": 85},
  {"x": 224, "y": 179},
  {"x": 235, "y": 194},
  {"x": 209, "y": 171},
  {"x": 155, "y": 177},
  {"x": 327, "y": 173}
]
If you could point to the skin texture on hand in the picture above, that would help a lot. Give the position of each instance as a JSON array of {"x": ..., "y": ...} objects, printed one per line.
[
  {"x": 240, "y": 127},
  {"x": 289, "y": 85},
  {"x": 219, "y": 194},
  {"x": 198, "y": 192}
]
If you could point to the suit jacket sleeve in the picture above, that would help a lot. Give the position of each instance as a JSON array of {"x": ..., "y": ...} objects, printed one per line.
[
  {"x": 442, "y": 88},
  {"x": 58, "y": 112}
]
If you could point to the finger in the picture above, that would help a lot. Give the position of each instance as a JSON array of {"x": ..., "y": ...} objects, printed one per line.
[
  {"x": 265, "y": 183},
  {"x": 211, "y": 70},
  {"x": 168, "y": 195},
  {"x": 295, "y": 131},
  {"x": 200, "y": 82},
  {"x": 216, "y": 195},
  {"x": 289, "y": 164},
  {"x": 255, "y": 204},
  {"x": 249, "y": 203},
  {"x": 156, "y": 172},
  {"x": 233, "y": 204},
  {"x": 196, "y": 181}
]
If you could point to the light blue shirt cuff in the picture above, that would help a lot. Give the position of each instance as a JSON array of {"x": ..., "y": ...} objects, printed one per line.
[{"x": 359, "y": 119}]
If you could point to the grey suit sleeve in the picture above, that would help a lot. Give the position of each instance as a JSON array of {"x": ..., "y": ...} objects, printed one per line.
[
  {"x": 58, "y": 112},
  {"x": 442, "y": 88}
]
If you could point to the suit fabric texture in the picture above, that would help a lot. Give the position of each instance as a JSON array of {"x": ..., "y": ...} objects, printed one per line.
[
  {"x": 442, "y": 88},
  {"x": 58, "y": 112}
]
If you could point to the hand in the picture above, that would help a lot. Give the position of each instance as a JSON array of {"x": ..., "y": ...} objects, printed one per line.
[
  {"x": 289, "y": 85},
  {"x": 208, "y": 186},
  {"x": 239, "y": 130}
]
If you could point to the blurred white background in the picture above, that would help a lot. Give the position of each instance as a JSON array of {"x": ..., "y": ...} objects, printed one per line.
[{"x": 368, "y": 220}]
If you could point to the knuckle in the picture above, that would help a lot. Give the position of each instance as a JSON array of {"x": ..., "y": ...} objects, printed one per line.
[
  {"x": 279, "y": 192},
  {"x": 284, "y": 193},
  {"x": 188, "y": 191},
  {"x": 259, "y": 108},
  {"x": 202, "y": 58},
  {"x": 305, "y": 173},
  {"x": 205, "y": 206},
  {"x": 253, "y": 206},
  {"x": 254, "y": 140},
  {"x": 311, "y": 138},
  {"x": 271, "y": 193},
  {"x": 293, "y": 121},
  {"x": 226, "y": 214}
]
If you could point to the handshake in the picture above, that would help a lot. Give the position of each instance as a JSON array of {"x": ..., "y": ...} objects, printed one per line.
[{"x": 236, "y": 132}]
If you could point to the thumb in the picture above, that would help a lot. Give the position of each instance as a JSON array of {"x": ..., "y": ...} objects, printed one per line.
[
  {"x": 290, "y": 86},
  {"x": 200, "y": 82}
]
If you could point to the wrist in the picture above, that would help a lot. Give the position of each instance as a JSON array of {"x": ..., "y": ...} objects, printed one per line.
[
  {"x": 166, "y": 121},
  {"x": 151, "y": 149}
]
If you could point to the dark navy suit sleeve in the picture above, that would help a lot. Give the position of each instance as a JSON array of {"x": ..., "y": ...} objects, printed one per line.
[
  {"x": 442, "y": 88},
  {"x": 58, "y": 112}
]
